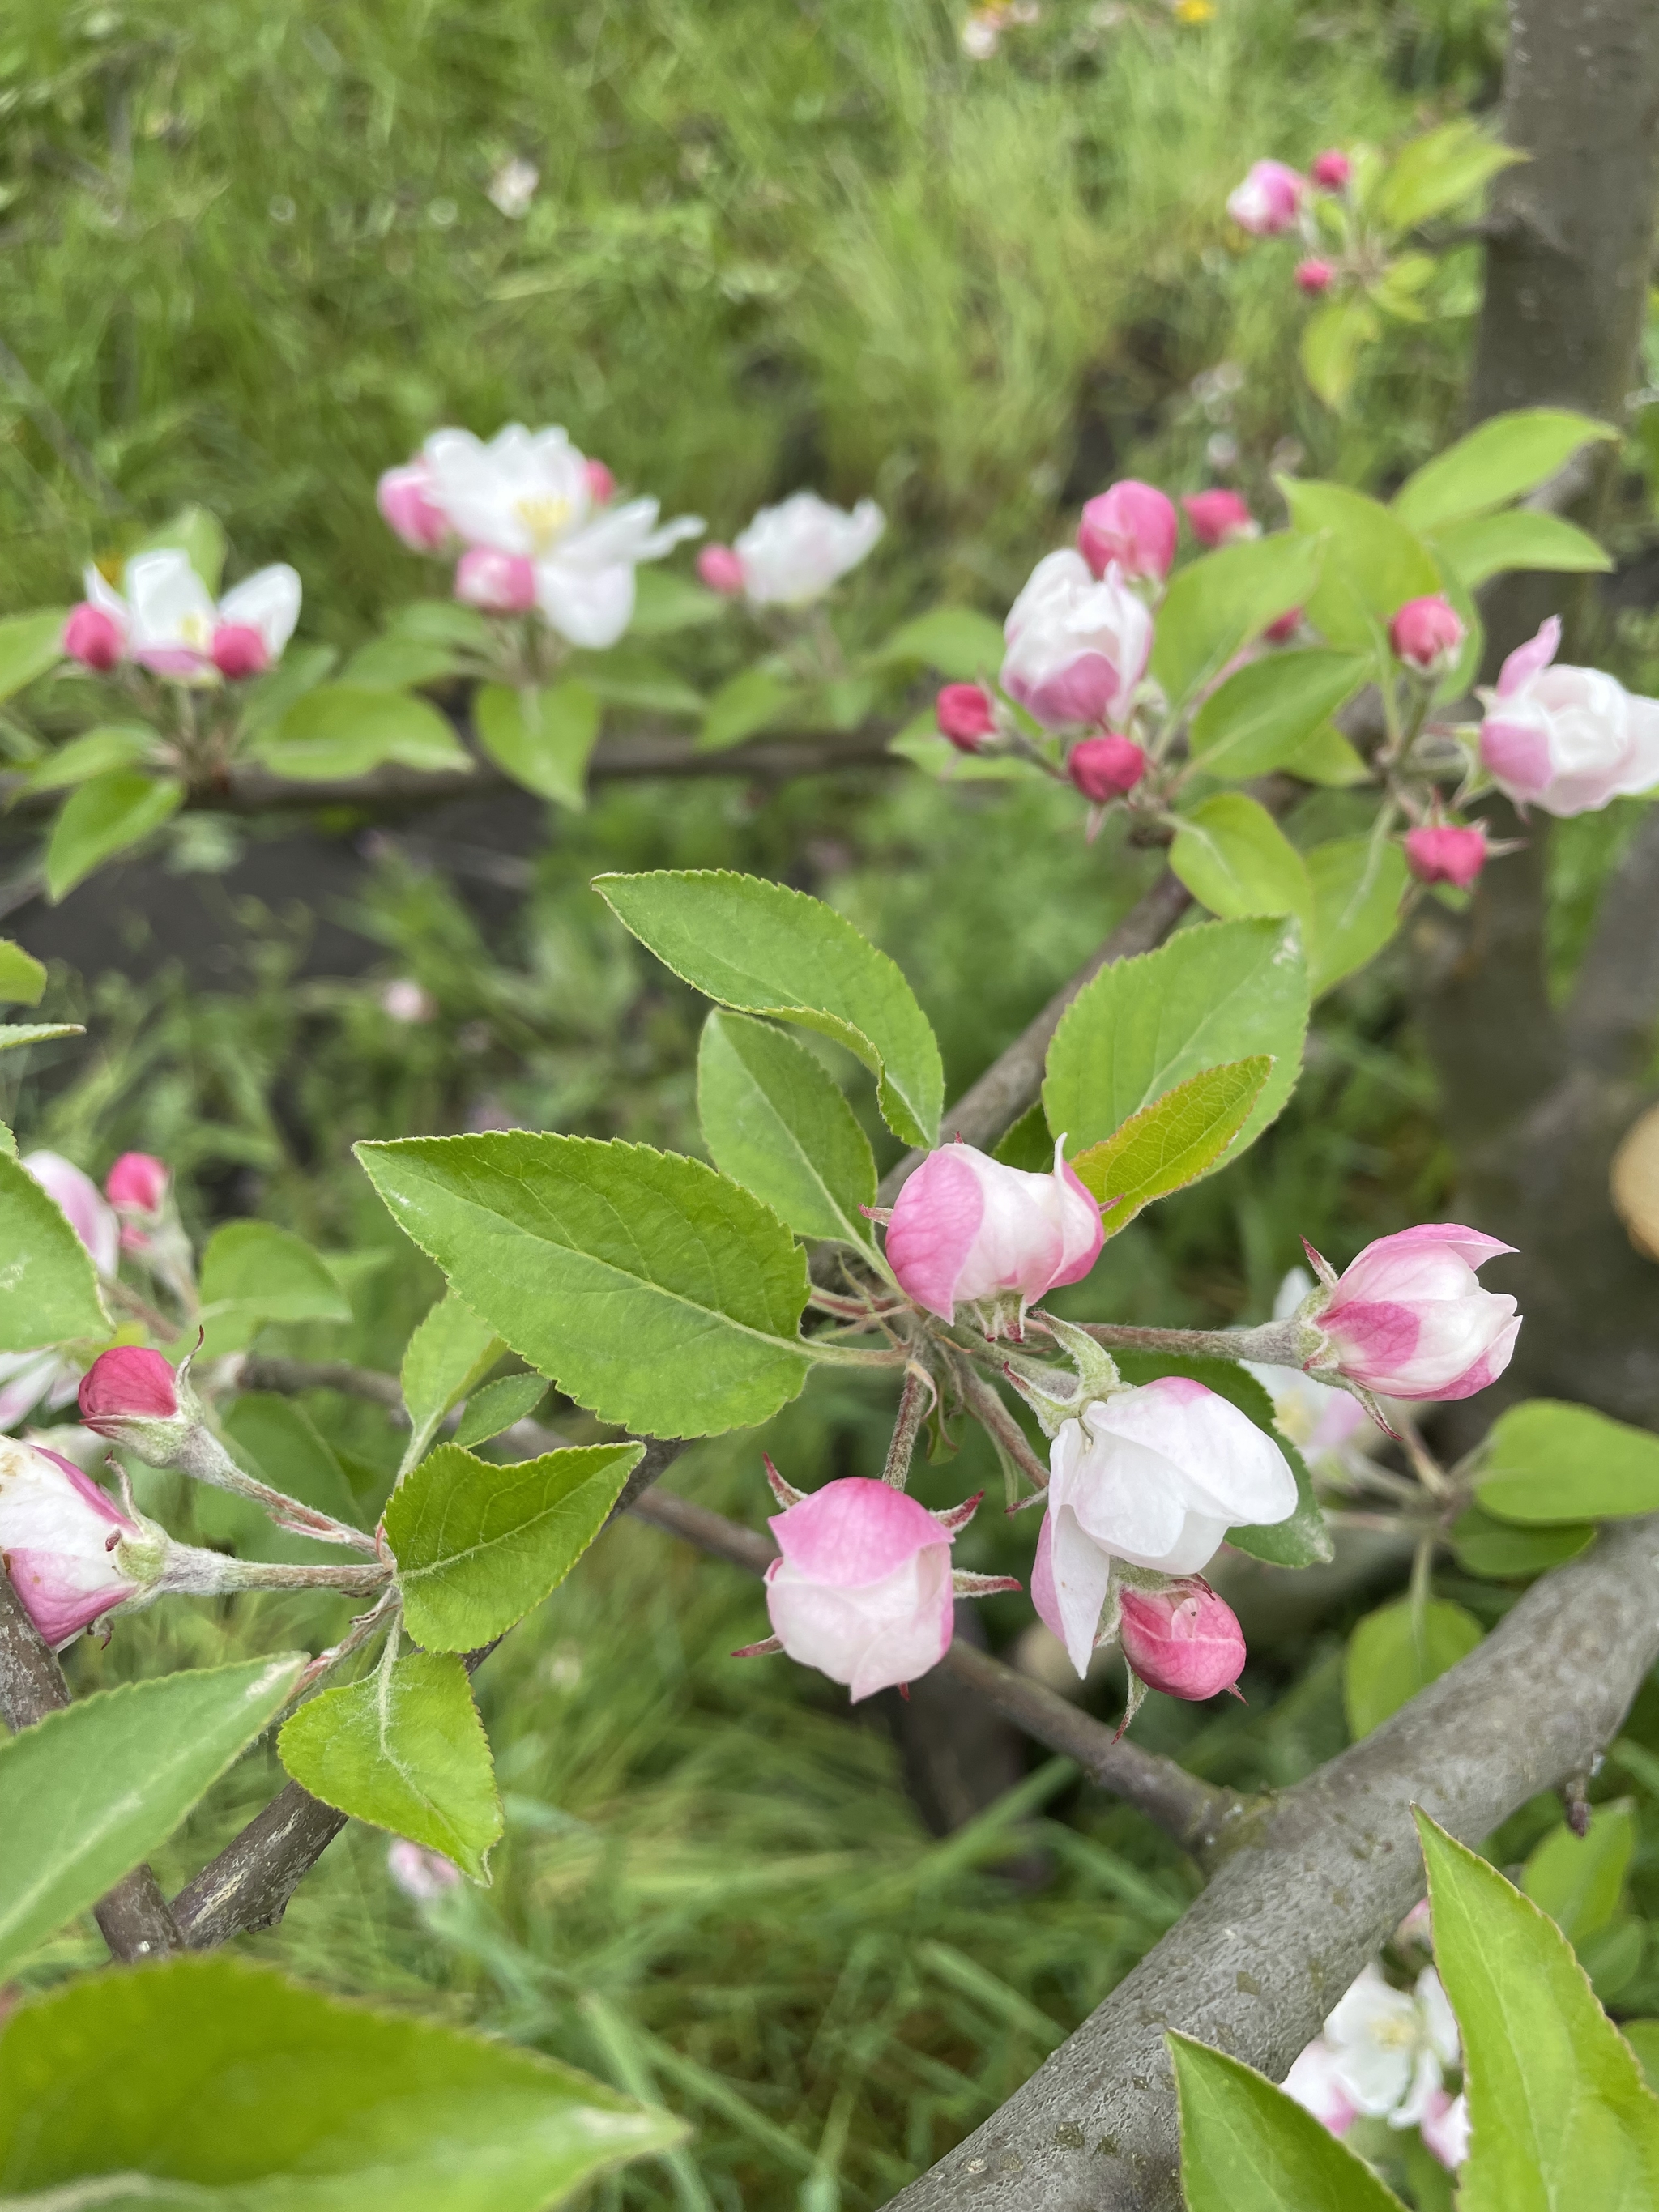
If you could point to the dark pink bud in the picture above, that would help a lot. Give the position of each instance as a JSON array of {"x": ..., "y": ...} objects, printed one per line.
[
  {"x": 1331, "y": 170},
  {"x": 1217, "y": 518},
  {"x": 499, "y": 583},
  {"x": 127, "y": 1384},
  {"x": 1183, "y": 1640},
  {"x": 722, "y": 569},
  {"x": 405, "y": 497},
  {"x": 1446, "y": 853},
  {"x": 966, "y": 715},
  {"x": 1282, "y": 631},
  {"x": 137, "y": 1183},
  {"x": 239, "y": 650},
  {"x": 1314, "y": 275},
  {"x": 1426, "y": 634},
  {"x": 1103, "y": 768},
  {"x": 601, "y": 484},
  {"x": 92, "y": 637},
  {"x": 1133, "y": 524}
]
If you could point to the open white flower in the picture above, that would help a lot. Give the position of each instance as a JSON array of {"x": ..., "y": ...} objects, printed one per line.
[
  {"x": 1391, "y": 2046},
  {"x": 177, "y": 630},
  {"x": 530, "y": 493},
  {"x": 792, "y": 553}
]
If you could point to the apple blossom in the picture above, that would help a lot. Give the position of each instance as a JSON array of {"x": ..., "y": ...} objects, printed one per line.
[
  {"x": 1282, "y": 631},
  {"x": 1426, "y": 634},
  {"x": 1314, "y": 2082},
  {"x": 1105, "y": 768},
  {"x": 967, "y": 1230},
  {"x": 1331, "y": 170},
  {"x": 1314, "y": 276},
  {"x": 721, "y": 570},
  {"x": 422, "y": 1875},
  {"x": 1218, "y": 517},
  {"x": 131, "y": 1395},
  {"x": 499, "y": 583},
  {"x": 1076, "y": 647},
  {"x": 1446, "y": 853},
  {"x": 1443, "y": 2125},
  {"x": 405, "y": 497},
  {"x": 1389, "y": 2045},
  {"x": 78, "y": 1198},
  {"x": 1154, "y": 1475},
  {"x": 177, "y": 632},
  {"x": 1183, "y": 1639},
  {"x": 790, "y": 555},
  {"x": 1408, "y": 1318},
  {"x": 1269, "y": 200},
  {"x": 29, "y": 1379},
  {"x": 138, "y": 1183},
  {"x": 93, "y": 636},
  {"x": 1567, "y": 739},
  {"x": 967, "y": 714},
  {"x": 71, "y": 1553},
  {"x": 1134, "y": 525},
  {"x": 529, "y": 493}
]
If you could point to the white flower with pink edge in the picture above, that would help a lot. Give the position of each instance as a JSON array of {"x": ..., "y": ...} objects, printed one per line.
[
  {"x": 968, "y": 1231},
  {"x": 1076, "y": 647},
  {"x": 1408, "y": 1318},
  {"x": 1567, "y": 739}
]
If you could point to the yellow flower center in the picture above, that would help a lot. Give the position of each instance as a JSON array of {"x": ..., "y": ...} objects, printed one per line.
[{"x": 544, "y": 515}]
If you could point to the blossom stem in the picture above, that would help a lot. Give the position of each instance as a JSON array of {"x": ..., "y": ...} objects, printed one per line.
[
  {"x": 986, "y": 1406},
  {"x": 917, "y": 1396},
  {"x": 191, "y": 1571},
  {"x": 204, "y": 1458},
  {"x": 1275, "y": 1343}
]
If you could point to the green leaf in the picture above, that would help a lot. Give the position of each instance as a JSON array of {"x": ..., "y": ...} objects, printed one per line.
[
  {"x": 13, "y": 1034},
  {"x": 92, "y": 1790},
  {"x": 404, "y": 1749},
  {"x": 1234, "y": 858},
  {"x": 1373, "y": 562},
  {"x": 649, "y": 1288},
  {"x": 635, "y": 680},
  {"x": 1485, "y": 1547},
  {"x": 1398, "y": 291},
  {"x": 478, "y": 1546},
  {"x": 29, "y": 644},
  {"x": 544, "y": 738},
  {"x": 211, "y": 2083},
  {"x": 1578, "y": 1880},
  {"x": 95, "y": 753},
  {"x": 1328, "y": 759},
  {"x": 1246, "y": 2146},
  {"x": 762, "y": 949},
  {"x": 450, "y": 1351},
  {"x": 199, "y": 536},
  {"x": 1173, "y": 1142},
  {"x": 1500, "y": 460},
  {"x": 251, "y": 1273},
  {"x": 1223, "y": 992},
  {"x": 279, "y": 1441},
  {"x": 749, "y": 703},
  {"x": 1357, "y": 886},
  {"x": 1028, "y": 1145},
  {"x": 776, "y": 1121},
  {"x": 664, "y": 602},
  {"x": 48, "y": 1290},
  {"x": 500, "y": 1405},
  {"x": 961, "y": 644},
  {"x": 22, "y": 977},
  {"x": 1265, "y": 711},
  {"x": 268, "y": 697},
  {"x": 1549, "y": 1461},
  {"x": 1388, "y": 1661},
  {"x": 1517, "y": 538},
  {"x": 1334, "y": 338},
  {"x": 337, "y": 731},
  {"x": 1433, "y": 174},
  {"x": 398, "y": 664},
  {"x": 441, "y": 622},
  {"x": 1217, "y": 605},
  {"x": 104, "y": 817},
  {"x": 1561, "y": 2116},
  {"x": 1643, "y": 2036}
]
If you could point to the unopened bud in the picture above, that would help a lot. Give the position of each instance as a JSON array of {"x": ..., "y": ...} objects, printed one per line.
[
  {"x": 133, "y": 1396},
  {"x": 1219, "y": 518},
  {"x": 1105, "y": 769},
  {"x": 1282, "y": 631},
  {"x": 965, "y": 714},
  {"x": 721, "y": 570},
  {"x": 1331, "y": 170},
  {"x": 92, "y": 637},
  {"x": 498, "y": 583},
  {"x": 1314, "y": 275},
  {"x": 137, "y": 1183},
  {"x": 1426, "y": 634},
  {"x": 71, "y": 1553},
  {"x": 238, "y": 650},
  {"x": 1183, "y": 1639},
  {"x": 1131, "y": 523},
  {"x": 1446, "y": 853},
  {"x": 601, "y": 484}
]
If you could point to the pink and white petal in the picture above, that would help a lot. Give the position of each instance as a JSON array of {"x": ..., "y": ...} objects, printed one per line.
[
  {"x": 1530, "y": 659},
  {"x": 171, "y": 607},
  {"x": 589, "y": 607},
  {"x": 918, "y": 1634},
  {"x": 1080, "y": 1574},
  {"x": 855, "y": 1532},
  {"x": 936, "y": 1217},
  {"x": 268, "y": 601},
  {"x": 1486, "y": 1370}
]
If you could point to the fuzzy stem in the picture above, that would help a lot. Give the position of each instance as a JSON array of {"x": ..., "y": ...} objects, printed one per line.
[
  {"x": 1275, "y": 1343},
  {"x": 988, "y": 1410},
  {"x": 191, "y": 1571},
  {"x": 916, "y": 1397},
  {"x": 204, "y": 1458}
]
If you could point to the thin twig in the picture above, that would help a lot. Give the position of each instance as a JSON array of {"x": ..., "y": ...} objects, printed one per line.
[
  {"x": 285, "y": 1377},
  {"x": 916, "y": 1397}
]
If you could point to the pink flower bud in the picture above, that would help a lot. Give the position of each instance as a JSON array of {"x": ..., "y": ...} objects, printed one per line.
[
  {"x": 137, "y": 1183},
  {"x": 71, "y": 1554},
  {"x": 1133, "y": 524},
  {"x": 1408, "y": 1318},
  {"x": 1218, "y": 518},
  {"x": 722, "y": 569},
  {"x": 127, "y": 1383},
  {"x": 238, "y": 650},
  {"x": 406, "y": 500},
  {"x": 82, "y": 1203},
  {"x": 1567, "y": 739},
  {"x": 1282, "y": 631},
  {"x": 1077, "y": 649},
  {"x": 92, "y": 637},
  {"x": 966, "y": 714},
  {"x": 862, "y": 1591},
  {"x": 1103, "y": 768},
  {"x": 1426, "y": 634},
  {"x": 1183, "y": 1640},
  {"x": 967, "y": 1230},
  {"x": 420, "y": 1873},
  {"x": 1268, "y": 201},
  {"x": 1331, "y": 170},
  {"x": 601, "y": 484},
  {"x": 1446, "y": 853},
  {"x": 500, "y": 583},
  {"x": 1314, "y": 275}
]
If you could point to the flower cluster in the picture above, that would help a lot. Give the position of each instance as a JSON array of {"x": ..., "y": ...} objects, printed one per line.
[
  {"x": 791, "y": 555},
  {"x": 164, "y": 620},
  {"x": 1384, "y": 2054}
]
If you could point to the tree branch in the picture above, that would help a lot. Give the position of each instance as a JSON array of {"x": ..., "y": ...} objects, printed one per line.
[{"x": 286, "y": 1376}]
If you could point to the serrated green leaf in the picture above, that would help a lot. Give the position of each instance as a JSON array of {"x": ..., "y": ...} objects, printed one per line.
[
  {"x": 91, "y": 1792},
  {"x": 253, "y": 1271},
  {"x": 1547, "y": 1461},
  {"x": 750, "y": 702},
  {"x": 544, "y": 738},
  {"x": 451, "y": 1350},
  {"x": 1483, "y": 1546},
  {"x": 211, "y": 2084},
  {"x": 652, "y": 1290},
  {"x": 403, "y": 1749},
  {"x": 48, "y": 1290},
  {"x": 1433, "y": 174},
  {"x": 13, "y": 1034},
  {"x": 762, "y": 949},
  {"x": 1491, "y": 545},
  {"x": 1561, "y": 2117},
  {"x": 1234, "y": 858},
  {"x": 1173, "y": 1142},
  {"x": 499, "y": 1406},
  {"x": 628, "y": 678},
  {"x": 1223, "y": 992},
  {"x": 1028, "y": 1145},
  {"x": 1246, "y": 2146},
  {"x": 195, "y": 533},
  {"x": 776, "y": 1121},
  {"x": 337, "y": 731},
  {"x": 960, "y": 643},
  {"x": 29, "y": 644},
  {"x": 22, "y": 977},
  {"x": 1578, "y": 1880},
  {"x": 1373, "y": 563},
  {"x": 478, "y": 1546},
  {"x": 1332, "y": 343},
  {"x": 95, "y": 753},
  {"x": 108, "y": 815},
  {"x": 1388, "y": 1661},
  {"x": 1500, "y": 460},
  {"x": 1267, "y": 711},
  {"x": 268, "y": 697},
  {"x": 1216, "y": 605},
  {"x": 1358, "y": 885}
]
